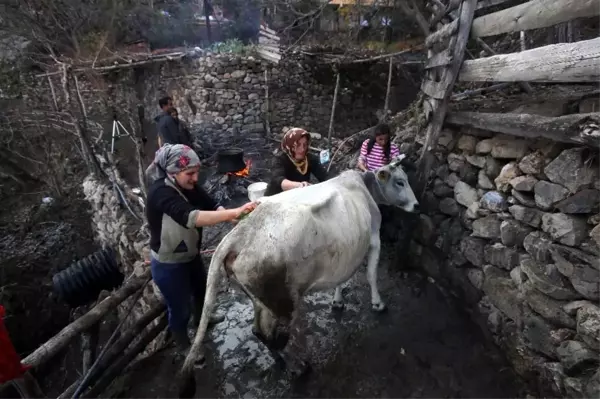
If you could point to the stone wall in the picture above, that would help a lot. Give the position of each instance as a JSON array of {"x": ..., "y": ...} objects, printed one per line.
[{"x": 511, "y": 227}]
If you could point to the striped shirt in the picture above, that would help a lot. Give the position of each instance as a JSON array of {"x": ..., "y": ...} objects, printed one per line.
[{"x": 376, "y": 158}]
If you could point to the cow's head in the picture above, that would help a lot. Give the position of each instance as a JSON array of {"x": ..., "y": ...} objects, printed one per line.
[{"x": 392, "y": 187}]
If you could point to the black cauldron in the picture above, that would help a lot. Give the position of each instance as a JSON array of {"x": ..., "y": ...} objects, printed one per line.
[{"x": 230, "y": 160}]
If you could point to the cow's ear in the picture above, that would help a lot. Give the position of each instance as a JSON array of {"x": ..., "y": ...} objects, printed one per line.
[{"x": 383, "y": 176}]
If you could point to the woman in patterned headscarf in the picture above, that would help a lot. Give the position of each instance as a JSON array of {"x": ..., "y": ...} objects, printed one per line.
[
  {"x": 295, "y": 166},
  {"x": 177, "y": 209}
]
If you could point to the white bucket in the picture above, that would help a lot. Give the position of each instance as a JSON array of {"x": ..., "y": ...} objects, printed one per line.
[{"x": 256, "y": 190}]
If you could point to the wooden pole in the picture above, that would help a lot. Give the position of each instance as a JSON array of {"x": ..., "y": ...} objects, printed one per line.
[
  {"x": 207, "y": 19},
  {"x": 335, "y": 94},
  {"x": 386, "y": 107},
  {"x": 117, "y": 367},
  {"x": 55, "y": 344},
  {"x": 119, "y": 346}
]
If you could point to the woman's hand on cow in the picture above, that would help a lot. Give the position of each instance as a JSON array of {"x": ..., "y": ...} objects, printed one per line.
[{"x": 244, "y": 209}]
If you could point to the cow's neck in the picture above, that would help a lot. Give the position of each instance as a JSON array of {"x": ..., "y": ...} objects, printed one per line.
[{"x": 374, "y": 188}]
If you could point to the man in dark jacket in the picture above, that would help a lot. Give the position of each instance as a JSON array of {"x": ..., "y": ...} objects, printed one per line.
[{"x": 168, "y": 130}]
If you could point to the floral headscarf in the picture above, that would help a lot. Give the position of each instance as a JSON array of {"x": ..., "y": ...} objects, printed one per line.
[
  {"x": 171, "y": 159},
  {"x": 289, "y": 144}
]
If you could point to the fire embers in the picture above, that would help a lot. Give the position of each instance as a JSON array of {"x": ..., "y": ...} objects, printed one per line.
[{"x": 230, "y": 188}]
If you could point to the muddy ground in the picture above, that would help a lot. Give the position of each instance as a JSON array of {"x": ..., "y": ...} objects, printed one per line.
[{"x": 423, "y": 346}]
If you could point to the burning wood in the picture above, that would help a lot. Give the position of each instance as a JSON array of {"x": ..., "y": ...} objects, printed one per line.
[{"x": 244, "y": 172}]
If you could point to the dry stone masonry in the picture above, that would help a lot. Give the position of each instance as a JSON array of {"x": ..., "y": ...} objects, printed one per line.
[{"x": 512, "y": 226}]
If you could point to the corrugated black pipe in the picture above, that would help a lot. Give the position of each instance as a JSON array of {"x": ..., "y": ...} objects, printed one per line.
[{"x": 82, "y": 282}]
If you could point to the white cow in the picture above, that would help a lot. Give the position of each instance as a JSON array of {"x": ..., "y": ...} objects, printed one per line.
[{"x": 305, "y": 239}]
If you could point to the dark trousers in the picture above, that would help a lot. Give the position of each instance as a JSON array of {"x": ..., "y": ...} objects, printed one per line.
[{"x": 179, "y": 283}]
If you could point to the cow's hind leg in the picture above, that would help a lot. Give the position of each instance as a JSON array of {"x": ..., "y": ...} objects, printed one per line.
[
  {"x": 338, "y": 299},
  {"x": 372, "y": 265}
]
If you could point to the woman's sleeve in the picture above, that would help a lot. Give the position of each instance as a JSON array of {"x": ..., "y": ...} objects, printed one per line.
[
  {"x": 363, "y": 151},
  {"x": 168, "y": 201},
  {"x": 278, "y": 171},
  {"x": 317, "y": 169},
  {"x": 394, "y": 151}
]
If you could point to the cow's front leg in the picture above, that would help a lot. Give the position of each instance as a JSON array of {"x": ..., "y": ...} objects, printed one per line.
[
  {"x": 338, "y": 299},
  {"x": 372, "y": 265}
]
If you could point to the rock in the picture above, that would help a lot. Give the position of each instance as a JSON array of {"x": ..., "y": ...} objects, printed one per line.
[
  {"x": 456, "y": 162},
  {"x": 537, "y": 334},
  {"x": 487, "y": 227},
  {"x": 572, "y": 308},
  {"x": 573, "y": 387},
  {"x": 595, "y": 234},
  {"x": 449, "y": 207},
  {"x": 447, "y": 139},
  {"x": 524, "y": 199},
  {"x": 530, "y": 216},
  {"x": 594, "y": 219},
  {"x": 588, "y": 325},
  {"x": 476, "y": 160},
  {"x": 452, "y": 179},
  {"x": 476, "y": 277},
  {"x": 523, "y": 183},
  {"x": 472, "y": 211},
  {"x": 571, "y": 170},
  {"x": 253, "y": 96},
  {"x": 494, "y": 201},
  {"x": 548, "y": 194},
  {"x": 501, "y": 256},
  {"x": 509, "y": 148},
  {"x": 592, "y": 387},
  {"x": 465, "y": 194},
  {"x": 507, "y": 173},
  {"x": 518, "y": 276},
  {"x": 548, "y": 280},
  {"x": 513, "y": 233},
  {"x": 484, "y": 146},
  {"x": 468, "y": 174},
  {"x": 467, "y": 143},
  {"x": 550, "y": 309},
  {"x": 503, "y": 294},
  {"x": 532, "y": 164},
  {"x": 492, "y": 167},
  {"x": 484, "y": 182},
  {"x": 575, "y": 357},
  {"x": 441, "y": 189},
  {"x": 566, "y": 229},
  {"x": 585, "y": 201},
  {"x": 472, "y": 250},
  {"x": 538, "y": 244},
  {"x": 238, "y": 74},
  {"x": 580, "y": 268}
]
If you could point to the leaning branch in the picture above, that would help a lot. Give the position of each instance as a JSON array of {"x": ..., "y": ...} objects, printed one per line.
[{"x": 60, "y": 340}]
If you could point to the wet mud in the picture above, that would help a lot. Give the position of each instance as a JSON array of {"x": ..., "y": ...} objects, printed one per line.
[{"x": 423, "y": 346}]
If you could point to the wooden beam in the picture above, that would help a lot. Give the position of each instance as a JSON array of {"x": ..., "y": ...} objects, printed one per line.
[
  {"x": 439, "y": 35},
  {"x": 534, "y": 14},
  {"x": 563, "y": 62},
  {"x": 464, "y": 21},
  {"x": 55, "y": 344},
  {"x": 481, "y": 4},
  {"x": 576, "y": 128},
  {"x": 440, "y": 59}
]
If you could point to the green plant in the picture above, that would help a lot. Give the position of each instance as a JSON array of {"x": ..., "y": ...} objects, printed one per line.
[{"x": 229, "y": 46}]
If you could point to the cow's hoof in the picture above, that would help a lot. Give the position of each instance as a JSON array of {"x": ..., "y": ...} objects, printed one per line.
[
  {"x": 379, "y": 307},
  {"x": 337, "y": 305}
]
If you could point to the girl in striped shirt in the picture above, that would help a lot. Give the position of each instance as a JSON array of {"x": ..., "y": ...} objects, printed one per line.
[{"x": 378, "y": 150}]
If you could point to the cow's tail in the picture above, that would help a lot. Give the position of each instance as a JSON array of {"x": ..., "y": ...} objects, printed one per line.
[{"x": 187, "y": 384}]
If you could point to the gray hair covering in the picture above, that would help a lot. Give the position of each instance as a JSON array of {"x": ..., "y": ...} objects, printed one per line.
[{"x": 171, "y": 159}]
